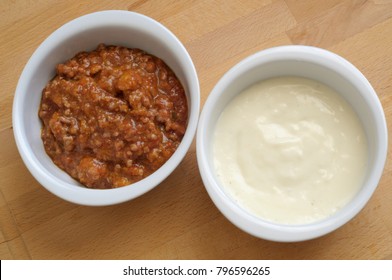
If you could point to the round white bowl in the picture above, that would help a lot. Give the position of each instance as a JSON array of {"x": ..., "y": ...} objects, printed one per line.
[
  {"x": 312, "y": 63},
  {"x": 121, "y": 28}
]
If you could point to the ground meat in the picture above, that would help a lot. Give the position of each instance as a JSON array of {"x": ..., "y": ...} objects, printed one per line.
[{"x": 112, "y": 116}]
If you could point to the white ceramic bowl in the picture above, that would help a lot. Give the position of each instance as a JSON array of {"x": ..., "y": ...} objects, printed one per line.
[
  {"x": 83, "y": 34},
  {"x": 308, "y": 62}
]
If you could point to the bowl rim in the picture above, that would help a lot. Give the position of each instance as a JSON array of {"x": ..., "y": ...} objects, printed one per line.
[
  {"x": 257, "y": 226},
  {"x": 97, "y": 197}
]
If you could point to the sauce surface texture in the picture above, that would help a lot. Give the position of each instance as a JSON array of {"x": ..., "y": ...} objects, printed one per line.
[
  {"x": 290, "y": 150},
  {"x": 112, "y": 116}
]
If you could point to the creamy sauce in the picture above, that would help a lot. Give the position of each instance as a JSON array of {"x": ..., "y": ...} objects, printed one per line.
[{"x": 290, "y": 150}]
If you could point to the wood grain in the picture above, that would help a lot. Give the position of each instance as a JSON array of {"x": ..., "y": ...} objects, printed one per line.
[
  {"x": 178, "y": 220},
  {"x": 340, "y": 22}
]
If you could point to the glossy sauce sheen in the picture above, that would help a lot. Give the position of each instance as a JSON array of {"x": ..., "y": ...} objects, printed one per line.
[
  {"x": 290, "y": 150},
  {"x": 112, "y": 116}
]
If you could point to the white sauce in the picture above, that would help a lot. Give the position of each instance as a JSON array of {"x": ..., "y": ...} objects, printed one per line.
[{"x": 290, "y": 150}]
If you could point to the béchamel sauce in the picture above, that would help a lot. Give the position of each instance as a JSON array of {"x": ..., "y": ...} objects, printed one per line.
[{"x": 290, "y": 150}]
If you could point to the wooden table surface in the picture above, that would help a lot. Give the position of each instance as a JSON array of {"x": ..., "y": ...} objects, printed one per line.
[{"x": 177, "y": 220}]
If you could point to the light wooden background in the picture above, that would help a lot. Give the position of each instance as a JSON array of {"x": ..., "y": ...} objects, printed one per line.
[{"x": 177, "y": 220}]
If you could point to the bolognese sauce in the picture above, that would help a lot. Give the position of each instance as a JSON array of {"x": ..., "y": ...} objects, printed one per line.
[{"x": 112, "y": 116}]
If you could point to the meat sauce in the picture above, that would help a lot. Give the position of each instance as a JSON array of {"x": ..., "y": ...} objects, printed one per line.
[{"x": 112, "y": 116}]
